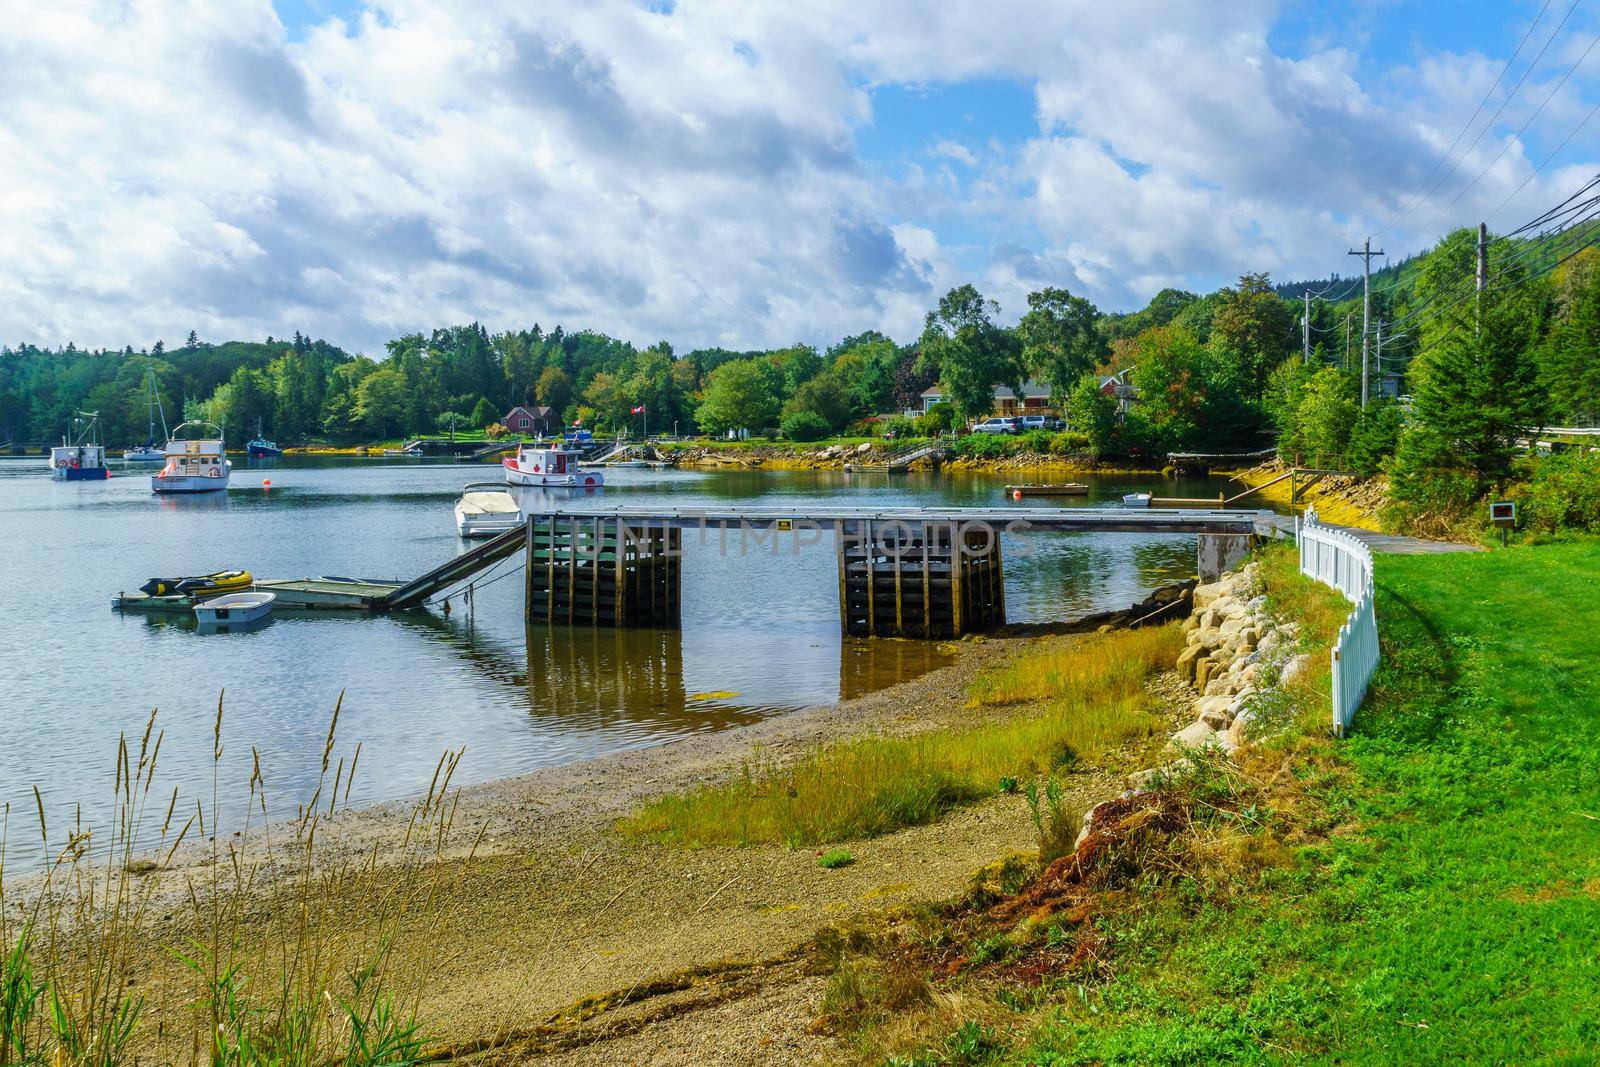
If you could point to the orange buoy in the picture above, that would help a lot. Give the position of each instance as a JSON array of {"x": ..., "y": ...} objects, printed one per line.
[
  {"x": 1016, "y": 494},
  {"x": 266, "y": 483}
]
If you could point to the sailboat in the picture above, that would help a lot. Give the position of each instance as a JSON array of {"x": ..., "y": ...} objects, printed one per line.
[{"x": 148, "y": 452}]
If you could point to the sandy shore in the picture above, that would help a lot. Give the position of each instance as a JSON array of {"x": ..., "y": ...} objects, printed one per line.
[{"x": 561, "y": 935}]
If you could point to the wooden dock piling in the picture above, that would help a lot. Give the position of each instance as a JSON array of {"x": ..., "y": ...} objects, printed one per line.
[
  {"x": 607, "y": 572},
  {"x": 927, "y": 579}
]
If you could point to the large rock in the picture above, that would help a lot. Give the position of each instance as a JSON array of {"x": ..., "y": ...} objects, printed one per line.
[
  {"x": 1216, "y": 712},
  {"x": 1204, "y": 595},
  {"x": 1195, "y": 735},
  {"x": 1187, "y": 661},
  {"x": 1297, "y": 668}
]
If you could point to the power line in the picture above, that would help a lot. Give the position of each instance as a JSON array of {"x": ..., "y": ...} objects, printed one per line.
[
  {"x": 1416, "y": 197},
  {"x": 1514, "y": 138}
]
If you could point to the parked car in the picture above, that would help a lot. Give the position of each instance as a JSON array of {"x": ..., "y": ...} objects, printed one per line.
[
  {"x": 997, "y": 424},
  {"x": 1042, "y": 422}
]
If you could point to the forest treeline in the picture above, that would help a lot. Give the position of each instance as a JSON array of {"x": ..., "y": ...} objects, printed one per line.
[{"x": 1474, "y": 373}]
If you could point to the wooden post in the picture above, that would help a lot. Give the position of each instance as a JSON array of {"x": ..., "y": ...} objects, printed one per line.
[
  {"x": 956, "y": 556},
  {"x": 572, "y": 570},
  {"x": 527, "y": 567},
  {"x": 872, "y": 599},
  {"x": 594, "y": 573},
  {"x": 550, "y": 570},
  {"x": 999, "y": 618},
  {"x": 927, "y": 588},
  {"x": 899, "y": 610},
  {"x": 619, "y": 595}
]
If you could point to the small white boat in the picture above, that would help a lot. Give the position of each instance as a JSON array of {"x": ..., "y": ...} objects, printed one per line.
[
  {"x": 199, "y": 465},
  {"x": 1136, "y": 500},
  {"x": 415, "y": 453},
  {"x": 486, "y": 510},
  {"x": 144, "y": 454},
  {"x": 235, "y": 607},
  {"x": 548, "y": 465}
]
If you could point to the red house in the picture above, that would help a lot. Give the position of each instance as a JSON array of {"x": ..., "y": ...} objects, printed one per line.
[{"x": 536, "y": 421}]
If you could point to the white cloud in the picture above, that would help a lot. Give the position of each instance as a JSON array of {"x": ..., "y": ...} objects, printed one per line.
[{"x": 693, "y": 175}]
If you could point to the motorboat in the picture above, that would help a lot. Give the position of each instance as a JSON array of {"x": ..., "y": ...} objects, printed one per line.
[
  {"x": 194, "y": 465},
  {"x": 199, "y": 585},
  {"x": 235, "y": 607},
  {"x": 259, "y": 447},
  {"x": 148, "y": 452},
  {"x": 486, "y": 510},
  {"x": 81, "y": 457},
  {"x": 1136, "y": 500},
  {"x": 548, "y": 465},
  {"x": 415, "y": 453}
]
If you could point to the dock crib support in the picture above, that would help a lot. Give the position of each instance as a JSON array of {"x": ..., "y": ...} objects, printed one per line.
[
  {"x": 919, "y": 579},
  {"x": 605, "y": 572}
]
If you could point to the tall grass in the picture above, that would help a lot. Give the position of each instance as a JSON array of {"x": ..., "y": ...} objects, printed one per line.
[
  {"x": 271, "y": 947},
  {"x": 1050, "y": 707}
]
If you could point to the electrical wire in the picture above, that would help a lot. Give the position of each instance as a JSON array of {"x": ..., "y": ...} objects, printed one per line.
[
  {"x": 1416, "y": 197},
  {"x": 1514, "y": 138}
]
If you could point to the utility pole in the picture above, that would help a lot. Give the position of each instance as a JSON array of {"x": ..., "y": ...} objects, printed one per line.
[
  {"x": 1305, "y": 329},
  {"x": 1483, "y": 268},
  {"x": 1366, "y": 255},
  {"x": 1378, "y": 355}
]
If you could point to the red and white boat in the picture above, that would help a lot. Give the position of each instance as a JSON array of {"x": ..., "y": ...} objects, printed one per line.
[{"x": 548, "y": 465}]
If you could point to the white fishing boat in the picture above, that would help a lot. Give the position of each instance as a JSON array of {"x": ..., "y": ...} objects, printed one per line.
[
  {"x": 81, "y": 457},
  {"x": 235, "y": 607},
  {"x": 415, "y": 453},
  {"x": 148, "y": 452},
  {"x": 1136, "y": 500},
  {"x": 548, "y": 465},
  {"x": 486, "y": 510},
  {"x": 197, "y": 465}
]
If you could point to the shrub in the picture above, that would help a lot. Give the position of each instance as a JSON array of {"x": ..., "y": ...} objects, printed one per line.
[
  {"x": 1037, "y": 441},
  {"x": 941, "y": 418},
  {"x": 1069, "y": 442},
  {"x": 898, "y": 425},
  {"x": 804, "y": 426},
  {"x": 835, "y": 858},
  {"x": 983, "y": 446},
  {"x": 1562, "y": 493},
  {"x": 1056, "y": 824}
]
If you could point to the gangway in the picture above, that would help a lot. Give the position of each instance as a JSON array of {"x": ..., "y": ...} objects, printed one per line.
[{"x": 413, "y": 593}]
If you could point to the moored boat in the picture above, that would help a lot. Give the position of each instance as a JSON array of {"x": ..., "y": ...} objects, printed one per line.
[
  {"x": 486, "y": 510},
  {"x": 235, "y": 607},
  {"x": 548, "y": 465},
  {"x": 197, "y": 465},
  {"x": 259, "y": 447},
  {"x": 148, "y": 452},
  {"x": 1136, "y": 500},
  {"x": 415, "y": 453},
  {"x": 199, "y": 585},
  {"x": 81, "y": 457}
]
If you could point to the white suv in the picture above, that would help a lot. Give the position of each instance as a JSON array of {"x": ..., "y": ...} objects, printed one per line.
[{"x": 998, "y": 424}]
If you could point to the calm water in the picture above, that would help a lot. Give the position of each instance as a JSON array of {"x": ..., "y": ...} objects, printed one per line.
[{"x": 74, "y": 673}]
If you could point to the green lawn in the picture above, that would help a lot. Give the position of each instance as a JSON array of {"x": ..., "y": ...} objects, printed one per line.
[{"x": 1444, "y": 902}]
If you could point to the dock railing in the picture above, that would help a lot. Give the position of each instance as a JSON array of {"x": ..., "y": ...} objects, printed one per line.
[{"x": 1336, "y": 559}]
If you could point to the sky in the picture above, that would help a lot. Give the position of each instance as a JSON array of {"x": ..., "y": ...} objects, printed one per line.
[{"x": 743, "y": 173}]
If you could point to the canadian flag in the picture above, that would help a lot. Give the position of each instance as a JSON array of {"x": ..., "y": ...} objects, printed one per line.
[{"x": 637, "y": 411}]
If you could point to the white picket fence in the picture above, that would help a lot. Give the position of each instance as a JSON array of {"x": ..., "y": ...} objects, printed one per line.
[{"x": 1336, "y": 559}]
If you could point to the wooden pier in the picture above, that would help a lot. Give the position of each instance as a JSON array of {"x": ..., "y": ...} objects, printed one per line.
[{"x": 934, "y": 580}]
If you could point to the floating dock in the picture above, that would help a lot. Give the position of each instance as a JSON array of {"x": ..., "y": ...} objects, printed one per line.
[
  {"x": 292, "y": 594},
  {"x": 1048, "y": 489}
]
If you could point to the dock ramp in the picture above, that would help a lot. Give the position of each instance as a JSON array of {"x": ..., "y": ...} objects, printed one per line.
[{"x": 458, "y": 570}]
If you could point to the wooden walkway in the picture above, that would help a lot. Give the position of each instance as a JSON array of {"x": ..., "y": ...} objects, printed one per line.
[{"x": 1394, "y": 544}]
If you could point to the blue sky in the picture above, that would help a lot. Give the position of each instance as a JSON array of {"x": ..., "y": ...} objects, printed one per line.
[{"x": 738, "y": 173}]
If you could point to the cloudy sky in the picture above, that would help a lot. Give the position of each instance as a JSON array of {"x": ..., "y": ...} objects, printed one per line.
[{"x": 738, "y": 172}]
